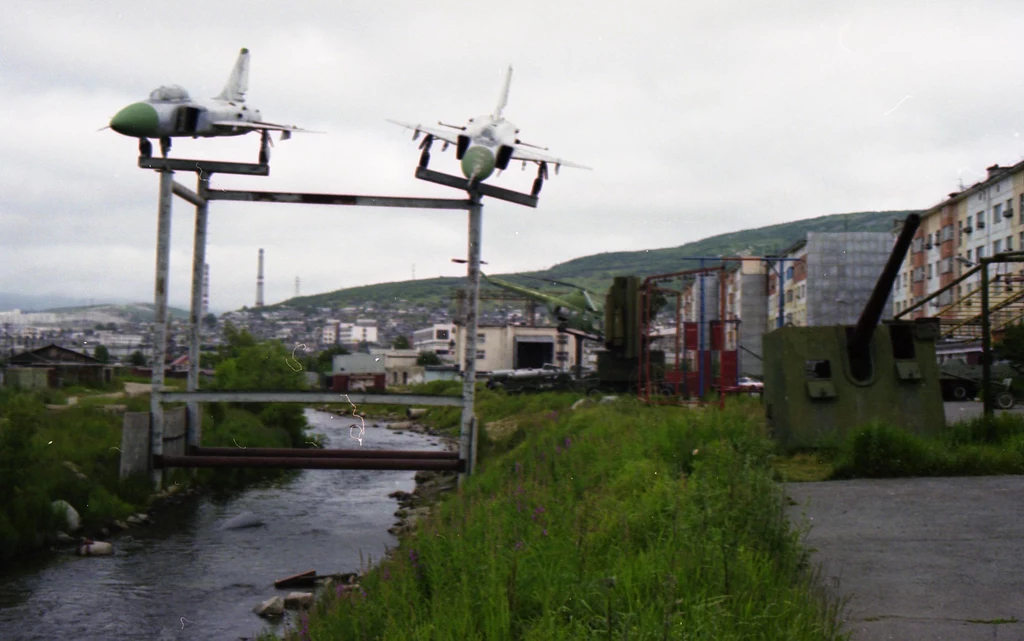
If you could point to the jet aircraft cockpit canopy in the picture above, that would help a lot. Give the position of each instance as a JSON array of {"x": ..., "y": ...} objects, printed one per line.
[{"x": 169, "y": 93}]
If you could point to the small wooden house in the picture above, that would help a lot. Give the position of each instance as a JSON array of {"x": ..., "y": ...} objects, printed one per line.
[{"x": 65, "y": 366}]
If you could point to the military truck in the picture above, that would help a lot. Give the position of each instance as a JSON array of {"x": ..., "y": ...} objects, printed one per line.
[
  {"x": 536, "y": 379},
  {"x": 962, "y": 382}
]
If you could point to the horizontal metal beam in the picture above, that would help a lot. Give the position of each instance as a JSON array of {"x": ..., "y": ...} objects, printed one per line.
[
  {"x": 184, "y": 192},
  {"x": 484, "y": 189},
  {"x": 287, "y": 462},
  {"x": 236, "y": 396},
  {"x": 337, "y": 199},
  {"x": 325, "y": 453},
  {"x": 203, "y": 166}
]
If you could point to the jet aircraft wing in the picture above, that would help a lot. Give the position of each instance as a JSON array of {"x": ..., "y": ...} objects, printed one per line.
[
  {"x": 447, "y": 135},
  {"x": 522, "y": 152},
  {"x": 262, "y": 126}
]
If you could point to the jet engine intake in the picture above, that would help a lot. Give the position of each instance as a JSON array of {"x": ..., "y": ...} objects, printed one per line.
[
  {"x": 504, "y": 156},
  {"x": 461, "y": 146}
]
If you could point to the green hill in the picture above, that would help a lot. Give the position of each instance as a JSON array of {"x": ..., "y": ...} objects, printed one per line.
[
  {"x": 596, "y": 271},
  {"x": 135, "y": 312}
]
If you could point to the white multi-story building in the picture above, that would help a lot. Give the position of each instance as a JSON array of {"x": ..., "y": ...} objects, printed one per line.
[
  {"x": 329, "y": 334},
  {"x": 438, "y": 338},
  {"x": 352, "y": 333}
]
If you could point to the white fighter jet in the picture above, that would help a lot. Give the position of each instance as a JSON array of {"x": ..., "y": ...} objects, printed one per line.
[
  {"x": 486, "y": 143},
  {"x": 170, "y": 112}
]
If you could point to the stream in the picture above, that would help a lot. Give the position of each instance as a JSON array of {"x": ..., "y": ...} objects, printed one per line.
[{"x": 183, "y": 577}]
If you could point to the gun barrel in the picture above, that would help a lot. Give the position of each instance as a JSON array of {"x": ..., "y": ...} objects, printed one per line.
[{"x": 872, "y": 311}]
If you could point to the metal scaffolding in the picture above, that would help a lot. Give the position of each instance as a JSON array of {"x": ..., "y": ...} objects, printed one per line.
[
  {"x": 989, "y": 306},
  {"x": 355, "y": 459}
]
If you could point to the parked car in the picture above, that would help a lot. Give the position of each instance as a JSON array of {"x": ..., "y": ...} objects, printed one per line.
[{"x": 747, "y": 384}]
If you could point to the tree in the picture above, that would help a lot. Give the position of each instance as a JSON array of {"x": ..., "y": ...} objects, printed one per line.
[
  {"x": 325, "y": 360},
  {"x": 263, "y": 366},
  {"x": 235, "y": 341},
  {"x": 137, "y": 359},
  {"x": 401, "y": 343},
  {"x": 101, "y": 353},
  {"x": 1011, "y": 347},
  {"x": 210, "y": 321},
  {"x": 427, "y": 357}
]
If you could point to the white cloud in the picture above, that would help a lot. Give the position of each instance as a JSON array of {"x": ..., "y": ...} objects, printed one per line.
[{"x": 698, "y": 120}]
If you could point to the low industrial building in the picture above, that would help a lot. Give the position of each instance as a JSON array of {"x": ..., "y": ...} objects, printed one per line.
[
  {"x": 63, "y": 367},
  {"x": 517, "y": 347}
]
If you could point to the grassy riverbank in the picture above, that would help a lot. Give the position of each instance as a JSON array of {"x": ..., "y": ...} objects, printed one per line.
[
  {"x": 615, "y": 520},
  {"x": 50, "y": 450}
]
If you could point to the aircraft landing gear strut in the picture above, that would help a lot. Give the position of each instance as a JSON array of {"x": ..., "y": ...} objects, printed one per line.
[
  {"x": 145, "y": 148},
  {"x": 538, "y": 183},
  {"x": 264, "y": 147},
  {"x": 425, "y": 146},
  {"x": 165, "y": 146}
]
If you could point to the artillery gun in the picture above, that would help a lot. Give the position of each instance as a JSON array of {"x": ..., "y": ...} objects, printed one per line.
[{"x": 821, "y": 383}]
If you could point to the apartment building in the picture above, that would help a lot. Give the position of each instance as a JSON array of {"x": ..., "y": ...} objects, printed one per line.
[
  {"x": 979, "y": 221},
  {"x": 746, "y": 313},
  {"x": 829, "y": 280}
]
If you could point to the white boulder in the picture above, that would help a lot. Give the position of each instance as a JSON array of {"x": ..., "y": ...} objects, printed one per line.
[
  {"x": 243, "y": 520},
  {"x": 68, "y": 514},
  {"x": 581, "y": 403},
  {"x": 272, "y": 607},
  {"x": 95, "y": 548},
  {"x": 137, "y": 519},
  {"x": 298, "y": 600}
]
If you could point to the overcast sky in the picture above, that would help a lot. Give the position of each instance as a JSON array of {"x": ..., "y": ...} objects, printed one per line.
[{"x": 697, "y": 121}]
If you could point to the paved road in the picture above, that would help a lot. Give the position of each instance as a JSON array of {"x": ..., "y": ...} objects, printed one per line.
[
  {"x": 939, "y": 558},
  {"x": 970, "y": 409}
]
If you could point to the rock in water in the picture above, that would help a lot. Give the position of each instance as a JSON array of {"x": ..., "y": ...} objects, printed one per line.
[
  {"x": 272, "y": 607},
  {"x": 298, "y": 600},
  {"x": 95, "y": 548},
  {"x": 69, "y": 515},
  {"x": 243, "y": 520}
]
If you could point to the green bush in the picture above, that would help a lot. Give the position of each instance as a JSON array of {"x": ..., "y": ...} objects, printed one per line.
[
  {"x": 878, "y": 450},
  {"x": 993, "y": 445},
  {"x": 985, "y": 429}
]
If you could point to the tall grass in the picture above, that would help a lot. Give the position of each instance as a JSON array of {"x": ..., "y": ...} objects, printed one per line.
[
  {"x": 612, "y": 521},
  {"x": 983, "y": 445}
]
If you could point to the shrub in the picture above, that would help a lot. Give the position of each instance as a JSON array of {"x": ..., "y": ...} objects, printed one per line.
[{"x": 878, "y": 450}]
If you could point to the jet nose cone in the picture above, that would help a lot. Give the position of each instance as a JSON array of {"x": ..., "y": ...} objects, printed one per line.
[{"x": 138, "y": 120}]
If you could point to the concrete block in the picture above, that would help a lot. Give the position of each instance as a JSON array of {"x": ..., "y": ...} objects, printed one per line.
[
  {"x": 135, "y": 444},
  {"x": 175, "y": 422}
]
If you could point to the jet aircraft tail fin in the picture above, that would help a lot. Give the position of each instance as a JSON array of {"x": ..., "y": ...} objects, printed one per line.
[
  {"x": 503, "y": 98},
  {"x": 238, "y": 82}
]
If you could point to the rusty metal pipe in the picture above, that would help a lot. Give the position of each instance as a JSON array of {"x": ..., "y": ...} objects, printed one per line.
[
  {"x": 325, "y": 453},
  {"x": 873, "y": 309},
  {"x": 291, "y": 462}
]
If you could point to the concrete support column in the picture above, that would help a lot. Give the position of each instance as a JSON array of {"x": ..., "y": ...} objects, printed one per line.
[
  {"x": 163, "y": 264},
  {"x": 470, "y": 327},
  {"x": 195, "y": 431}
]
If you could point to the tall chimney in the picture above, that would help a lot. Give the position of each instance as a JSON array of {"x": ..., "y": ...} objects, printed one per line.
[
  {"x": 259, "y": 282},
  {"x": 206, "y": 290},
  {"x": 296, "y": 286}
]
